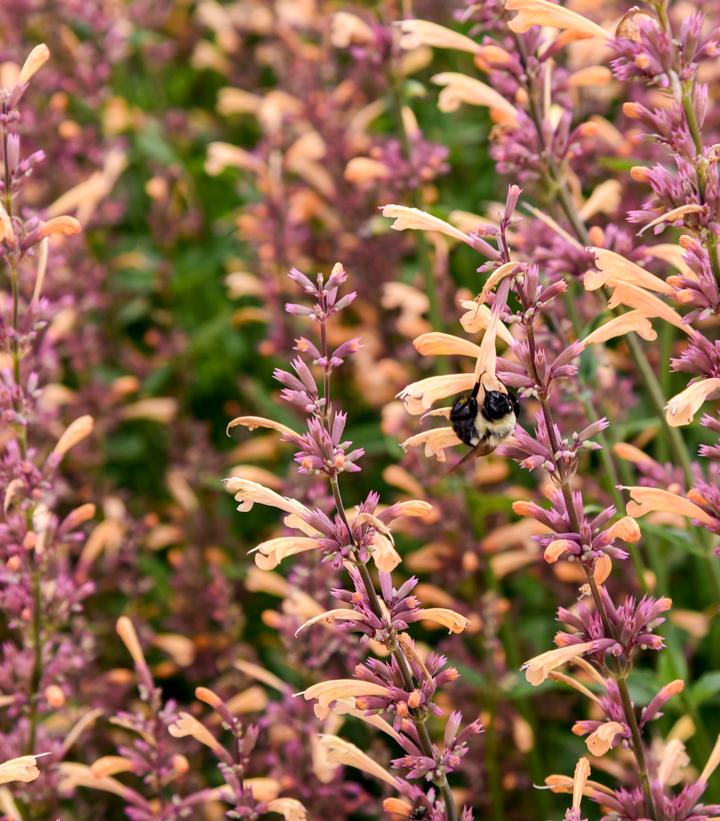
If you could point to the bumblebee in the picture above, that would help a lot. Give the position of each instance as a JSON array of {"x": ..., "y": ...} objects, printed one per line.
[{"x": 483, "y": 424}]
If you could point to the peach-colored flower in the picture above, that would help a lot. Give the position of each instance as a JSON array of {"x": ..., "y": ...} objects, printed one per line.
[
  {"x": 365, "y": 171},
  {"x": 418, "y": 33},
  {"x": 160, "y": 409},
  {"x": 436, "y": 344},
  {"x": 225, "y": 155},
  {"x": 605, "y": 198},
  {"x": 614, "y": 268},
  {"x": 330, "y": 617},
  {"x": 254, "y": 422},
  {"x": 111, "y": 765},
  {"x": 419, "y": 396},
  {"x": 626, "y": 529},
  {"x": 341, "y": 752},
  {"x": 73, "y": 775},
  {"x": 580, "y": 779},
  {"x": 23, "y": 768},
  {"x": 384, "y": 555},
  {"x": 126, "y": 630},
  {"x": 33, "y": 63},
  {"x": 629, "y": 322},
  {"x": 187, "y": 725},
  {"x": 601, "y": 740},
  {"x": 592, "y": 76},
  {"x": 62, "y": 226},
  {"x": 75, "y": 432},
  {"x": 348, "y": 29},
  {"x": 672, "y": 215},
  {"x": 681, "y": 409},
  {"x": 712, "y": 763},
  {"x": 413, "y": 218},
  {"x": 249, "y": 493},
  {"x": 290, "y": 809},
  {"x": 459, "y": 88},
  {"x": 261, "y": 674},
  {"x": 477, "y": 318},
  {"x": 455, "y": 622},
  {"x": 327, "y": 692},
  {"x": 544, "y": 13},
  {"x": 651, "y": 500},
  {"x": 269, "y": 554},
  {"x": 672, "y": 761},
  {"x": 557, "y": 548},
  {"x": 537, "y": 669},
  {"x": 180, "y": 648},
  {"x": 435, "y": 441},
  {"x": 635, "y": 297}
]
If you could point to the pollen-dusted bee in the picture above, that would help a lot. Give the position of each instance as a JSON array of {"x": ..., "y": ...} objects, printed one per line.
[{"x": 483, "y": 422}]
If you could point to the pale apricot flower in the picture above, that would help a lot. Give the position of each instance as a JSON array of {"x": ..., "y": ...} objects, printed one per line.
[
  {"x": 630, "y": 322},
  {"x": 33, "y": 63},
  {"x": 75, "y": 432},
  {"x": 538, "y": 668},
  {"x": 544, "y": 13},
  {"x": 63, "y": 226},
  {"x": 290, "y": 809},
  {"x": 626, "y": 529},
  {"x": 365, "y": 170},
  {"x": 455, "y": 622},
  {"x": 655, "y": 500},
  {"x": 249, "y": 493},
  {"x": 413, "y": 218},
  {"x": 477, "y": 317},
  {"x": 187, "y": 725},
  {"x": 601, "y": 740},
  {"x": 341, "y": 752},
  {"x": 269, "y": 554},
  {"x": 435, "y": 442},
  {"x": 672, "y": 215},
  {"x": 348, "y": 29},
  {"x": 225, "y": 155},
  {"x": 647, "y": 303},
  {"x": 419, "y": 396},
  {"x": 417, "y": 33},
  {"x": 613, "y": 268},
  {"x": 681, "y": 409},
  {"x": 327, "y": 692},
  {"x": 126, "y": 630},
  {"x": 580, "y": 779},
  {"x": 23, "y": 768},
  {"x": 459, "y": 88}
]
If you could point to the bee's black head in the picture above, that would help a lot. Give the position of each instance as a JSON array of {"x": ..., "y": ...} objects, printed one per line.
[{"x": 497, "y": 405}]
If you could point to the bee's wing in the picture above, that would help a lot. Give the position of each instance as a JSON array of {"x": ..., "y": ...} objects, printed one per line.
[{"x": 482, "y": 449}]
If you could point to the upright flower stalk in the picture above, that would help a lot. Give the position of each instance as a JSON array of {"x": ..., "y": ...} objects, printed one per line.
[
  {"x": 402, "y": 687},
  {"x": 603, "y": 640}
]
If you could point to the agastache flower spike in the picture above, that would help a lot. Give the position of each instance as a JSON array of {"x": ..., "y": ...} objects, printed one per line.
[{"x": 402, "y": 688}]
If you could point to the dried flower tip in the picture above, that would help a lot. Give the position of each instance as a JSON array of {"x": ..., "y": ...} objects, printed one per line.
[{"x": 33, "y": 63}]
